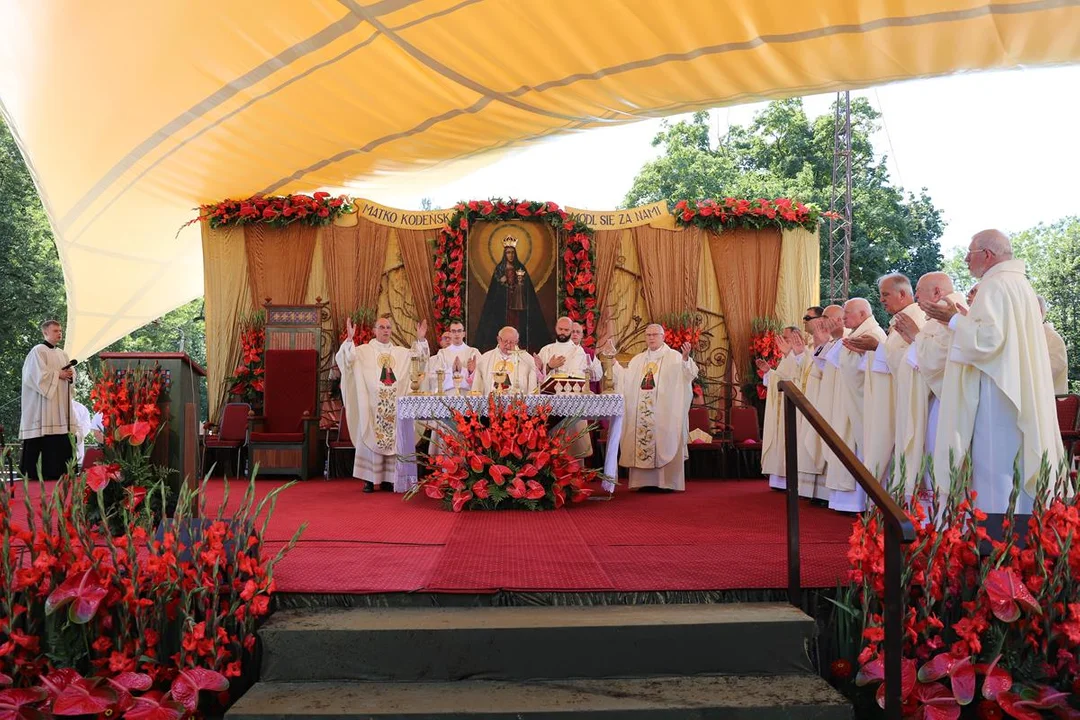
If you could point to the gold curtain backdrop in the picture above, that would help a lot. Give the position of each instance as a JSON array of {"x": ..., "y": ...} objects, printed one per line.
[{"x": 645, "y": 269}]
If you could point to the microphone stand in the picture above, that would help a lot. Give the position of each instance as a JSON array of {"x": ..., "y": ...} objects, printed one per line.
[{"x": 7, "y": 462}]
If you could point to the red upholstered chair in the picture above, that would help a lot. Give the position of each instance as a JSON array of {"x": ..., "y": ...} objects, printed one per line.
[
  {"x": 342, "y": 450},
  {"x": 230, "y": 438},
  {"x": 283, "y": 440},
  {"x": 1068, "y": 412},
  {"x": 707, "y": 459},
  {"x": 746, "y": 438}
]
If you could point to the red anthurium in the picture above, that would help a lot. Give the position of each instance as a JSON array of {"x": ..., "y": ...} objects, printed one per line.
[
  {"x": 188, "y": 683},
  {"x": 874, "y": 672},
  {"x": 997, "y": 680},
  {"x": 499, "y": 473},
  {"x": 1007, "y": 593},
  {"x": 935, "y": 702},
  {"x": 480, "y": 489},
  {"x": 960, "y": 671},
  {"x": 434, "y": 491},
  {"x": 1027, "y": 704},
  {"x": 5, "y": 679},
  {"x": 534, "y": 490},
  {"x": 55, "y": 682},
  {"x": 155, "y": 706},
  {"x": 84, "y": 591},
  {"x": 517, "y": 488},
  {"x": 85, "y": 697},
  {"x": 98, "y": 476},
  {"x": 132, "y": 681},
  {"x": 18, "y": 703},
  {"x": 135, "y": 497},
  {"x": 460, "y": 498}
]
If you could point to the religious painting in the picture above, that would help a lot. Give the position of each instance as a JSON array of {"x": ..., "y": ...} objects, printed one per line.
[{"x": 512, "y": 281}]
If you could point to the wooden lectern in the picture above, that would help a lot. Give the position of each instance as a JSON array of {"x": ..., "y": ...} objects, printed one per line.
[{"x": 177, "y": 445}]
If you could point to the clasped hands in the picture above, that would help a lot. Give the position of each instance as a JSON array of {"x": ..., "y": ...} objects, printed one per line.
[{"x": 943, "y": 312}]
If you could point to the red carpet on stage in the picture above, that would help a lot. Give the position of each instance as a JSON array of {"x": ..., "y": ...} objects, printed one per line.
[{"x": 718, "y": 535}]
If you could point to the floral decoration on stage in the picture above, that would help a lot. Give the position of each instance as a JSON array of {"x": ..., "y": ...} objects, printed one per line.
[
  {"x": 681, "y": 327},
  {"x": 276, "y": 210},
  {"x": 364, "y": 326},
  {"x": 997, "y": 632},
  {"x": 739, "y": 213},
  {"x": 510, "y": 459},
  {"x": 578, "y": 289},
  {"x": 764, "y": 345},
  {"x": 150, "y": 623},
  {"x": 247, "y": 379}
]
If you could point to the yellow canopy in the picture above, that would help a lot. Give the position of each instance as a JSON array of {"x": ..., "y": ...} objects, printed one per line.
[{"x": 130, "y": 114}]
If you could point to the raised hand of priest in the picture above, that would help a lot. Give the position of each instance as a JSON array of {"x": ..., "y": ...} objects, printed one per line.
[
  {"x": 539, "y": 364},
  {"x": 906, "y": 327},
  {"x": 457, "y": 364},
  {"x": 686, "y": 347},
  {"x": 556, "y": 362},
  {"x": 942, "y": 312},
  {"x": 762, "y": 365},
  {"x": 783, "y": 345},
  {"x": 471, "y": 365},
  {"x": 609, "y": 347},
  {"x": 861, "y": 344},
  {"x": 421, "y": 330},
  {"x": 349, "y": 328}
]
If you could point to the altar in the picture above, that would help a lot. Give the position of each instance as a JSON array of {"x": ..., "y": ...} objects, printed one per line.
[{"x": 418, "y": 408}]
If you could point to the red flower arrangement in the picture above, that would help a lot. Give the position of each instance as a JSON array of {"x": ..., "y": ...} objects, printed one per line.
[
  {"x": 276, "y": 211},
  {"x": 511, "y": 458},
  {"x": 247, "y": 379},
  {"x": 363, "y": 324},
  {"x": 578, "y": 291},
  {"x": 764, "y": 345},
  {"x": 1002, "y": 627},
  {"x": 733, "y": 213},
  {"x": 681, "y": 328},
  {"x": 134, "y": 625}
]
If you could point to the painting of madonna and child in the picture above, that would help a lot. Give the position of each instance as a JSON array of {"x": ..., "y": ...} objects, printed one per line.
[{"x": 512, "y": 281}]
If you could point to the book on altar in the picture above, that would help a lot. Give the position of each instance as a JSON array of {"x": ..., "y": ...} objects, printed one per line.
[{"x": 564, "y": 384}]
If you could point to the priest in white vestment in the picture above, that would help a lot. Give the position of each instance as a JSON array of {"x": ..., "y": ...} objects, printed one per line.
[
  {"x": 919, "y": 380},
  {"x": 1059, "y": 353},
  {"x": 811, "y": 447},
  {"x": 773, "y": 442},
  {"x": 657, "y": 387},
  {"x": 997, "y": 395},
  {"x": 849, "y": 403},
  {"x": 456, "y": 360},
  {"x": 45, "y": 423},
  {"x": 567, "y": 357},
  {"x": 506, "y": 369},
  {"x": 373, "y": 376}
]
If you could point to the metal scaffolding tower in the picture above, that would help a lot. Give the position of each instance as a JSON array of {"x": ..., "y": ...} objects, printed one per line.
[{"x": 840, "y": 202}]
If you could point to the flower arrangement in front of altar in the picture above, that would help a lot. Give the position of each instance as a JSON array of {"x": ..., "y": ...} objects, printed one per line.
[
  {"x": 510, "y": 459},
  {"x": 144, "y": 624},
  {"x": 247, "y": 379},
  {"x": 276, "y": 210},
  {"x": 364, "y": 326},
  {"x": 738, "y": 213},
  {"x": 993, "y": 634},
  {"x": 764, "y": 345},
  {"x": 129, "y": 403},
  {"x": 578, "y": 290},
  {"x": 681, "y": 327}
]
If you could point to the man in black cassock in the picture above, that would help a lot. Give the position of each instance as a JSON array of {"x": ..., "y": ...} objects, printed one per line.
[{"x": 46, "y": 407}]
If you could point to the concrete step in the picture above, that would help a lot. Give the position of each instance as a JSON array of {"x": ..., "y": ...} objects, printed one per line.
[
  {"x": 794, "y": 697},
  {"x": 523, "y": 643}
]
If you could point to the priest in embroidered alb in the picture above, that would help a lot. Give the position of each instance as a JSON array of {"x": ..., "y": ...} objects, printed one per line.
[
  {"x": 773, "y": 443},
  {"x": 46, "y": 407},
  {"x": 373, "y": 376},
  {"x": 997, "y": 395},
  {"x": 657, "y": 388},
  {"x": 849, "y": 406},
  {"x": 506, "y": 368}
]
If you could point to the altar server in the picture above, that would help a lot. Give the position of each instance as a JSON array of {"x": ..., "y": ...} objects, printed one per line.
[
  {"x": 456, "y": 358},
  {"x": 46, "y": 407},
  {"x": 997, "y": 395},
  {"x": 849, "y": 407},
  {"x": 506, "y": 368},
  {"x": 657, "y": 389},
  {"x": 1059, "y": 354},
  {"x": 373, "y": 377},
  {"x": 773, "y": 443}
]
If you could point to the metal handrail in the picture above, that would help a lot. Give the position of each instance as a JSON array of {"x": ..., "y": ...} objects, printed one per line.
[{"x": 898, "y": 531}]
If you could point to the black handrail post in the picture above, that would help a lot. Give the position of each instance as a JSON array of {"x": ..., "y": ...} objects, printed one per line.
[
  {"x": 791, "y": 449},
  {"x": 894, "y": 624}
]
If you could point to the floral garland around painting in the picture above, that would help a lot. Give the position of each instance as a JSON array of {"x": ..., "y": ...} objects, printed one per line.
[
  {"x": 276, "y": 210},
  {"x": 764, "y": 345},
  {"x": 578, "y": 290},
  {"x": 510, "y": 459},
  {"x": 738, "y": 213},
  {"x": 247, "y": 379}
]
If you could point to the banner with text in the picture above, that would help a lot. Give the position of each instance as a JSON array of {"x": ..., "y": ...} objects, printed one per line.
[
  {"x": 656, "y": 214},
  {"x": 398, "y": 218}
]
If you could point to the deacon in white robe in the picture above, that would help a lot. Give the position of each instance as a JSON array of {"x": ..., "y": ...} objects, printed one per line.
[
  {"x": 373, "y": 377},
  {"x": 46, "y": 421},
  {"x": 657, "y": 387},
  {"x": 849, "y": 403},
  {"x": 506, "y": 369},
  {"x": 773, "y": 443},
  {"x": 456, "y": 360},
  {"x": 997, "y": 395},
  {"x": 1059, "y": 353},
  {"x": 567, "y": 357},
  {"x": 811, "y": 447},
  {"x": 918, "y": 376}
]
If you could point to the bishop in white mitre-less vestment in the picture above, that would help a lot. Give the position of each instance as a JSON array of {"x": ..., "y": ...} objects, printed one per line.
[
  {"x": 997, "y": 394},
  {"x": 773, "y": 442},
  {"x": 506, "y": 369},
  {"x": 373, "y": 376},
  {"x": 46, "y": 408},
  {"x": 811, "y": 447},
  {"x": 657, "y": 388}
]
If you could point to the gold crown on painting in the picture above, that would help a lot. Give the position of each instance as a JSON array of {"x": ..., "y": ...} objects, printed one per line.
[{"x": 510, "y": 241}]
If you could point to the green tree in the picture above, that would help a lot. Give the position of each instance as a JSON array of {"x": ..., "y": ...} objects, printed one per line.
[{"x": 782, "y": 152}]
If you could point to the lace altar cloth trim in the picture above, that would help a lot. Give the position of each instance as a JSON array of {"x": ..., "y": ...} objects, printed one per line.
[{"x": 439, "y": 407}]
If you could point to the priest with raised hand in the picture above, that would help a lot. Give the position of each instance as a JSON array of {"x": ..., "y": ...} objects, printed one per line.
[
  {"x": 811, "y": 446},
  {"x": 1059, "y": 353},
  {"x": 997, "y": 395},
  {"x": 373, "y": 376},
  {"x": 849, "y": 409},
  {"x": 773, "y": 443},
  {"x": 456, "y": 359},
  {"x": 918, "y": 380},
  {"x": 506, "y": 368},
  {"x": 45, "y": 423},
  {"x": 657, "y": 388},
  {"x": 566, "y": 356}
]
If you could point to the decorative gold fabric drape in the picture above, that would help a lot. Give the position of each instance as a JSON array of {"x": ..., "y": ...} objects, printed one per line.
[
  {"x": 227, "y": 297},
  {"x": 799, "y": 285},
  {"x": 669, "y": 269},
  {"x": 608, "y": 246},
  {"x": 416, "y": 248},
  {"x": 279, "y": 262},
  {"x": 747, "y": 267},
  {"x": 353, "y": 257}
]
